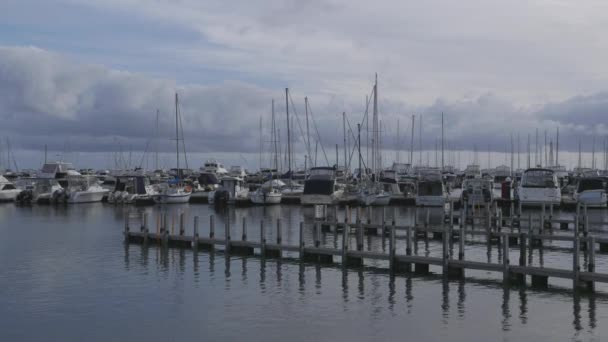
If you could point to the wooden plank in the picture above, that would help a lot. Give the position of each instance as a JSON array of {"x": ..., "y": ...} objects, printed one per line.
[
  {"x": 543, "y": 271},
  {"x": 476, "y": 265},
  {"x": 419, "y": 259},
  {"x": 368, "y": 255}
]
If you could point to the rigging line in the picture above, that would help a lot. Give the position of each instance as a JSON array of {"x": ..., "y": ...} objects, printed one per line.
[
  {"x": 181, "y": 126},
  {"x": 317, "y": 131},
  {"x": 352, "y": 153},
  {"x": 295, "y": 112},
  {"x": 144, "y": 154}
]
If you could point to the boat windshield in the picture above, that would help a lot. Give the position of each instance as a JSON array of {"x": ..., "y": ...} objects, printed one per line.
[
  {"x": 538, "y": 179},
  {"x": 590, "y": 184},
  {"x": 430, "y": 189},
  {"x": 322, "y": 172}
]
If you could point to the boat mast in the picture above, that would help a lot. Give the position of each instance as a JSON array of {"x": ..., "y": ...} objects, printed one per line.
[
  {"x": 344, "y": 131},
  {"x": 420, "y": 137},
  {"x": 442, "y": 160},
  {"x": 288, "y": 132},
  {"x": 359, "y": 142},
  {"x": 518, "y": 152},
  {"x": 260, "y": 162},
  {"x": 307, "y": 129},
  {"x": 374, "y": 129},
  {"x": 274, "y": 134},
  {"x": 593, "y": 153},
  {"x": 512, "y": 148},
  {"x": 397, "y": 144},
  {"x": 536, "y": 154},
  {"x": 156, "y": 156},
  {"x": 412, "y": 142},
  {"x": 557, "y": 148},
  {"x": 177, "y": 135},
  {"x": 579, "y": 153},
  {"x": 528, "y": 151},
  {"x": 545, "y": 147}
]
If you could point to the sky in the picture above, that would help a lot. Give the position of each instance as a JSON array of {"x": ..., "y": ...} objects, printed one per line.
[{"x": 86, "y": 78}]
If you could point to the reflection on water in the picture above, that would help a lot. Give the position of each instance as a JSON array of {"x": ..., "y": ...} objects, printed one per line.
[
  {"x": 374, "y": 286},
  {"x": 66, "y": 271}
]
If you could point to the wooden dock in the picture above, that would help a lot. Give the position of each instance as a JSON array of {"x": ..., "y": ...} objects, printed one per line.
[{"x": 520, "y": 233}]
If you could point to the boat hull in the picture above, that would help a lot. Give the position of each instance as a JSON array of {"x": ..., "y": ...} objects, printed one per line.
[
  {"x": 9, "y": 195},
  {"x": 85, "y": 196},
  {"x": 430, "y": 201},
  {"x": 172, "y": 198},
  {"x": 592, "y": 198},
  {"x": 309, "y": 199},
  {"x": 257, "y": 198}
]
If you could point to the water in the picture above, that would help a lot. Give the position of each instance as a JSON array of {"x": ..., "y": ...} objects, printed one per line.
[{"x": 65, "y": 275}]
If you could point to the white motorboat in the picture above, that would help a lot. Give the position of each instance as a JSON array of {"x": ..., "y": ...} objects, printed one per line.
[
  {"x": 431, "y": 190},
  {"x": 232, "y": 190},
  {"x": 389, "y": 184},
  {"x": 41, "y": 190},
  {"x": 84, "y": 189},
  {"x": 8, "y": 191},
  {"x": 173, "y": 195},
  {"x": 134, "y": 189},
  {"x": 320, "y": 188},
  {"x": 215, "y": 167},
  {"x": 265, "y": 196},
  {"x": 539, "y": 186},
  {"x": 477, "y": 192},
  {"x": 472, "y": 171},
  {"x": 591, "y": 191}
]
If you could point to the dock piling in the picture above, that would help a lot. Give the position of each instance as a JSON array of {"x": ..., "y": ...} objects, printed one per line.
[
  {"x": 195, "y": 233},
  {"x": 244, "y": 234},
  {"x": 301, "y": 245},
  {"x": 126, "y": 233},
  {"x": 392, "y": 248},
  {"x": 575, "y": 258},
  {"x": 182, "y": 227},
  {"x": 505, "y": 257},
  {"x": 262, "y": 239},
  {"x": 345, "y": 239},
  {"x": 227, "y": 234},
  {"x": 211, "y": 227},
  {"x": 591, "y": 261}
]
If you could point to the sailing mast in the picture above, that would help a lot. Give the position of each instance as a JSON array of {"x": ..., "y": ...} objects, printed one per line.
[
  {"x": 274, "y": 136},
  {"x": 420, "y": 137},
  {"x": 156, "y": 157},
  {"x": 260, "y": 162},
  {"x": 397, "y": 144},
  {"x": 345, "y": 147},
  {"x": 375, "y": 129},
  {"x": 177, "y": 135},
  {"x": 307, "y": 129},
  {"x": 442, "y": 161},
  {"x": 412, "y": 142},
  {"x": 288, "y": 133},
  {"x": 557, "y": 148}
]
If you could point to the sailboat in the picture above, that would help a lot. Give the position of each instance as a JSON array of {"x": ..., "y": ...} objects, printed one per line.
[
  {"x": 371, "y": 193},
  {"x": 267, "y": 193},
  {"x": 174, "y": 191}
]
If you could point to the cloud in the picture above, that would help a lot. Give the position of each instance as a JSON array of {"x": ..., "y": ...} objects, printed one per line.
[{"x": 47, "y": 98}]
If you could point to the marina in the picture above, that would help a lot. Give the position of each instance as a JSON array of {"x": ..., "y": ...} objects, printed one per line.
[{"x": 285, "y": 171}]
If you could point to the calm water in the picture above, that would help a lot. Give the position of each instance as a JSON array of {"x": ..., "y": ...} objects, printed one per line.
[{"x": 65, "y": 275}]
